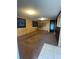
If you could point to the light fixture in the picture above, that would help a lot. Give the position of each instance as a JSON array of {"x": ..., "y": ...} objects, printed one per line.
[
  {"x": 42, "y": 18},
  {"x": 30, "y": 12}
]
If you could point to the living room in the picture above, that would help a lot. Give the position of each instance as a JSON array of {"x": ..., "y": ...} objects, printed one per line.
[{"x": 36, "y": 26}]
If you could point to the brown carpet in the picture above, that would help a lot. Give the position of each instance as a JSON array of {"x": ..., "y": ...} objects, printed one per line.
[{"x": 30, "y": 45}]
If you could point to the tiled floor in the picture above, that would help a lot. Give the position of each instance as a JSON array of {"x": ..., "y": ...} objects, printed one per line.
[{"x": 30, "y": 45}]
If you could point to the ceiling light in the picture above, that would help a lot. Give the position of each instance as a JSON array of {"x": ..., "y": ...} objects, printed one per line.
[
  {"x": 30, "y": 12},
  {"x": 42, "y": 18}
]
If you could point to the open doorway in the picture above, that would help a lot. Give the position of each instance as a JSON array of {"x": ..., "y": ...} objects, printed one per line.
[{"x": 52, "y": 25}]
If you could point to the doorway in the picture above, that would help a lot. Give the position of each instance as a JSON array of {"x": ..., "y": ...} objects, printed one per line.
[{"x": 52, "y": 25}]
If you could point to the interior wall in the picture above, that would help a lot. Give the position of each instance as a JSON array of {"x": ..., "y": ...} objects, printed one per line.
[
  {"x": 28, "y": 29},
  {"x": 59, "y": 21},
  {"x": 59, "y": 25},
  {"x": 59, "y": 43},
  {"x": 45, "y": 25}
]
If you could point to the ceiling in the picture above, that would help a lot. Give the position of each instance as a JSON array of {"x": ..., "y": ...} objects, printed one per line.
[{"x": 46, "y": 8}]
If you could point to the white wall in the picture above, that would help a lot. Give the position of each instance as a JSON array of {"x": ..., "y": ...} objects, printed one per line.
[
  {"x": 59, "y": 21},
  {"x": 59, "y": 25},
  {"x": 18, "y": 56},
  {"x": 46, "y": 25}
]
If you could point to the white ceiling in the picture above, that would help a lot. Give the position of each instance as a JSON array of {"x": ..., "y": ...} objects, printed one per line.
[{"x": 47, "y": 8}]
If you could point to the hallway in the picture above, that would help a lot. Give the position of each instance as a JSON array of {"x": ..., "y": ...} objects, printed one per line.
[{"x": 30, "y": 45}]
